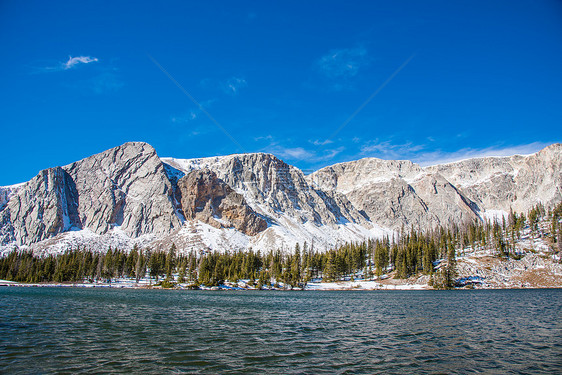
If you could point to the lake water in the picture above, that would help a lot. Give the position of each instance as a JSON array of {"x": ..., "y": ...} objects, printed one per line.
[{"x": 73, "y": 330}]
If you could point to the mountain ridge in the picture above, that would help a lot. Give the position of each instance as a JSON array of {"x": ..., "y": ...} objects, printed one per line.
[{"x": 130, "y": 192}]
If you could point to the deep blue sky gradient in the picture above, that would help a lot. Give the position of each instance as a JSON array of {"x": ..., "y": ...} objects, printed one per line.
[{"x": 281, "y": 77}]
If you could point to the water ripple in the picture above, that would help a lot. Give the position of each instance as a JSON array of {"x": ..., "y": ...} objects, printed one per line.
[{"x": 44, "y": 330}]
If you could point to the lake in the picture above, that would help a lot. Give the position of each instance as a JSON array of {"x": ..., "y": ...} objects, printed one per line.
[{"x": 85, "y": 330}]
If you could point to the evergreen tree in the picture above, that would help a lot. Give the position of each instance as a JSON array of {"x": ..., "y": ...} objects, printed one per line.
[
  {"x": 296, "y": 266},
  {"x": 140, "y": 267},
  {"x": 171, "y": 261}
]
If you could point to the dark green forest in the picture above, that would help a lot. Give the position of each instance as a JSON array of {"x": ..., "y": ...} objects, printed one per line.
[{"x": 411, "y": 253}]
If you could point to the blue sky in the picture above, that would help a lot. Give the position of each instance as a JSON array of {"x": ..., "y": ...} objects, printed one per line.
[{"x": 313, "y": 82}]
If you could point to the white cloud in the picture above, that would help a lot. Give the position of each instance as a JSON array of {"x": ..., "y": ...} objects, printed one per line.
[
  {"x": 387, "y": 150},
  {"x": 264, "y": 138},
  {"x": 442, "y": 157},
  {"x": 74, "y": 61},
  {"x": 300, "y": 153},
  {"x": 71, "y": 63},
  {"x": 192, "y": 114},
  {"x": 330, "y": 154},
  {"x": 422, "y": 155},
  {"x": 342, "y": 63},
  {"x": 234, "y": 84},
  {"x": 318, "y": 142},
  {"x": 185, "y": 118}
]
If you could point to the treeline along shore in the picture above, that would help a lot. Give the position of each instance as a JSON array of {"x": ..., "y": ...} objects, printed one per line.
[{"x": 411, "y": 253}]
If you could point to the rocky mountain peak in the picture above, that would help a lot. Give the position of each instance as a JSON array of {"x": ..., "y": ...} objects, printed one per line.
[
  {"x": 262, "y": 202},
  {"x": 274, "y": 188},
  {"x": 124, "y": 187}
]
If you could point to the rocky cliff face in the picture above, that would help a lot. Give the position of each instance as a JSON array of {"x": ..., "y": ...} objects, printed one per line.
[
  {"x": 127, "y": 187},
  {"x": 396, "y": 194},
  {"x": 124, "y": 187},
  {"x": 42, "y": 208},
  {"x": 258, "y": 201},
  {"x": 501, "y": 183},
  {"x": 205, "y": 197},
  {"x": 274, "y": 188}
]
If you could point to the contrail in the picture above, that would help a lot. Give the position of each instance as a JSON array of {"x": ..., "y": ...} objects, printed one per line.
[
  {"x": 371, "y": 97},
  {"x": 197, "y": 103}
]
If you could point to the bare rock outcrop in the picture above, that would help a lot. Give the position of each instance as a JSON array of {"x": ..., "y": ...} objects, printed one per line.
[
  {"x": 42, "y": 208},
  {"x": 123, "y": 187},
  {"x": 127, "y": 187},
  {"x": 273, "y": 188},
  {"x": 396, "y": 193},
  {"x": 513, "y": 182},
  {"x": 207, "y": 198}
]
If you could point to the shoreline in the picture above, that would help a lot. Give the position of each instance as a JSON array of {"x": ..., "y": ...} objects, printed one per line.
[{"x": 314, "y": 287}]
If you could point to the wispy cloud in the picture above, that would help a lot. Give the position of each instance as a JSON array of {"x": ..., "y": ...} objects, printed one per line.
[
  {"x": 192, "y": 114},
  {"x": 343, "y": 63},
  {"x": 441, "y": 157},
  {"x": 234, "y": 84},
  {"x": 71, "y": 63},
  {"x": 182, "y": 119},
  {"x": 318, "y": 142},
  {"x": 424, "y": 155},
  {"x": 297, "y": 153},
  {"x": 74, "y": 61},
  {"x": 388, "y": 150},
  {"x": 266, "y": 138},
  {"x": 300, "y": 153},
  {"x": 229, "y": 86}
]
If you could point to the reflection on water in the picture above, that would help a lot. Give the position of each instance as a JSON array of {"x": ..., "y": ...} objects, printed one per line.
[{"x": 156, "y": 331}]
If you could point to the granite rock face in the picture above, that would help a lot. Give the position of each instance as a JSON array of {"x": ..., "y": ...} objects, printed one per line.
[
  {"x": 42, "y": 208},
  {"x": 401, "y": 193},
  {"x": 517, "y": 182},
  {"x": 207, "y": 198},
  {"x": 396, "y": 194},
  {"x": 273, "y": 188},
  {"x": 132, "y": 193},
  {"x": 124, "y": 187}
]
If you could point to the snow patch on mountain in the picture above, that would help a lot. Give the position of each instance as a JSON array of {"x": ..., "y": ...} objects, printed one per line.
[
  {"x": 494, "y": 215},
  {"x": 75, "y": 239}
]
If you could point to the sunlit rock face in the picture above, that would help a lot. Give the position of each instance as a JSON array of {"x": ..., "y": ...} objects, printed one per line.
[{"x": 128, "y": 194}]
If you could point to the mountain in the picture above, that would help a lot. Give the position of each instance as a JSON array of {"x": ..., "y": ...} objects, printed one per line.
[
  {"x": 501, "y": 183},
  {"x": 395, "y": 193},
  {"x": 129, "y": 195}
]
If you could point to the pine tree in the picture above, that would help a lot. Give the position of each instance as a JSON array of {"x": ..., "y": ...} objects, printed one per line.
[
  {"x": 329, "y": 272},
  {"x": 296, "y": 266},
  {"x": 451, "y": 268},
  {"x": 140, "y": 267},
  {"x": 108, "y": 265},
  {"x": 171, "y": 261}
]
